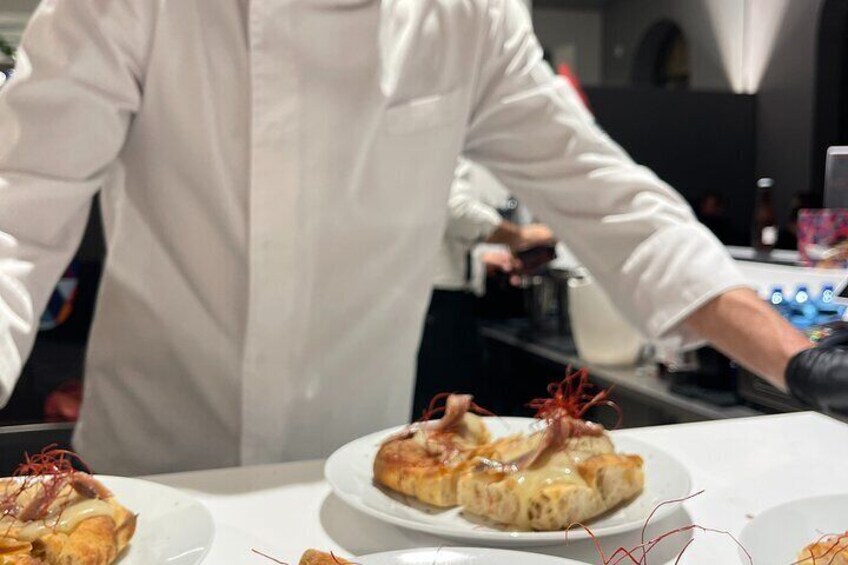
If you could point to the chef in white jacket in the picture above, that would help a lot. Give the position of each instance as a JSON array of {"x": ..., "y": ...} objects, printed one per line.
[{"x": 273, "y": 176}]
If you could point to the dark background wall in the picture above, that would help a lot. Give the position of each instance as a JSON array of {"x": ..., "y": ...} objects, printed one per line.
[
  {"x": 696, "y": 141},
  {"x": 785, "y": 96},
  {"x": 761, "y": 47}
]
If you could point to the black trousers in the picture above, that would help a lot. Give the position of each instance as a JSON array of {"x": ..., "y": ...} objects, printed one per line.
[{"x": 450, "y": 358}]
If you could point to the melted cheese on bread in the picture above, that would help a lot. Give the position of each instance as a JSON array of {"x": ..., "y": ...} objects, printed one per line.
[{"x": 578, "y": 481}]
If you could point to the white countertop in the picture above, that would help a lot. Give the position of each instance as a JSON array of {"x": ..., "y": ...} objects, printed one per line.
[{"x": 745, "y": 465}]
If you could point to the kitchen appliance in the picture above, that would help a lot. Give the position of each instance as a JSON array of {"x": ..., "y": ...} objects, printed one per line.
[
  {"x": 703, "y": 374},
  {"x": 546, "y": 301},
  {"x": 836, "y": 178},
  {"x": 543, "y": 289},
  {"x": 765, "y": 278}
]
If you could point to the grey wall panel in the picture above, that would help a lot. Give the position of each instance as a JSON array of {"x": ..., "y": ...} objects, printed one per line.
[
  {"x": 714, "y": 30},
  {"x": 696, "y": 141},
  {"x": 580, "y": 29}
]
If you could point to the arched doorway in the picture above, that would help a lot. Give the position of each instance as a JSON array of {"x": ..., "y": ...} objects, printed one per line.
[
  {"x": 662, "y": 58},
  {"x": 830, "y": 126}
]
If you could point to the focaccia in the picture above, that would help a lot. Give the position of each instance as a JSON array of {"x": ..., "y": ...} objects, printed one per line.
[
  {"x": 562, "y": 485},
  {"x": 63, "y": 517},
  {"x": 563, "y": 472},
  {"x": 427, "y": 458},
  {"x": 315, "y": 557},
  {"x": 829, "y": 550}
]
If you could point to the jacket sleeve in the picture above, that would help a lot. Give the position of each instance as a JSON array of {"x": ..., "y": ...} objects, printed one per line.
[
  {"x": 469, "y": 218},
  {"x": 637, "y": 236},
  {"x": 63, "y": 120}
]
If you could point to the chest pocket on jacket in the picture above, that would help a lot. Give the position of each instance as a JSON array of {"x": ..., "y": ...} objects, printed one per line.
[
  {"x": 426, "y": 112},
  {"x": 418, "y": 143}
]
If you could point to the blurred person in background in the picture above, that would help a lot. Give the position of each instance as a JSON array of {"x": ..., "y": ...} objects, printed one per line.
[
  {"x": 712, "y": 212},
  {"x": 451, "y": 352}
]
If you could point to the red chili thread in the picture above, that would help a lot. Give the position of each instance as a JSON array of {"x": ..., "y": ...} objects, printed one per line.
[
  {"x": 439, "y": 402},
  {"x": 53, "y": 469},
  {"x": 268, "y": 557},
  {"x": 638, "y": 555},
  {"x": 572, "y": 398},
  {"x": 837, "y": 547}
]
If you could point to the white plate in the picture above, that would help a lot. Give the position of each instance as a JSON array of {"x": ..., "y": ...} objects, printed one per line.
[
  {"x": 778, "y": 535},
  {"x": 458, "y": 556},
  {"x": 172, "y": 528},
  {"x": 349, "y": 472}
]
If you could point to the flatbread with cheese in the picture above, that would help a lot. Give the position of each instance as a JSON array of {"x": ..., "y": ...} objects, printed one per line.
[
  {"x": 829, "y": 550},
  {"x": 60, "y": 516},
  {"x": 315, "y": 557},
  {"x": 530, "y": 482},
  {"x": 564, "y": 472},
  {"x": 427, "y": 458}
]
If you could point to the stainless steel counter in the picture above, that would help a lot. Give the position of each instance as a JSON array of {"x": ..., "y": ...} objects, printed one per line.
[{"x": 641, "y": 385}]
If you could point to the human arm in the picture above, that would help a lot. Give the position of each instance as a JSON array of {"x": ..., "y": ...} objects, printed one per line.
[
  {"x": 63, "y": 120},
  {"x": 746, "y": 328},
  {"x": 666, "y": 273},
  {"x": 473, "y": 220},
  {"x": 636, "y": 235}
]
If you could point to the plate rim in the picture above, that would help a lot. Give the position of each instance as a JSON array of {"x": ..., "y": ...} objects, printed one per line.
[
  {"x": 515, "y": 539},
  {"x": 483, "y": 551},
  {"x": 207, "y": 514},
  {"x": 781, "y": 507}
]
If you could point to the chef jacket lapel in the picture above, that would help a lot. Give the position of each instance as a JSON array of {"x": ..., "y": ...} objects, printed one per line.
[
  {"x": 278, "y": 367},
  {"x": 276, "y": 216}
]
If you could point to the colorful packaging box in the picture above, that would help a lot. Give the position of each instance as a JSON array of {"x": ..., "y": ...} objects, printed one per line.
[{"x": 823, "y": 238}]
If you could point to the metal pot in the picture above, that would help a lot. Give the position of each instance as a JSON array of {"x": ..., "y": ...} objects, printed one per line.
[
  {"x": 539, "y": 300},
  {"x": 546, "y": 300}
]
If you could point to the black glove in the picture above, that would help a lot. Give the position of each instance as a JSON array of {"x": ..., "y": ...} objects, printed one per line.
[{"x": 819, "y": 377}]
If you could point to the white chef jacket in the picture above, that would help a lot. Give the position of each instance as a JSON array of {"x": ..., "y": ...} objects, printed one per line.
[
  {"x": 472, "y": 217},
  {"x": 274, "y": 176}
]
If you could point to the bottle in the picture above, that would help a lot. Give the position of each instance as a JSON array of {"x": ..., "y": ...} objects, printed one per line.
[
  {"x": 764, "y": 232},
  {"x": 825, "y": 300},
  {"x": 779, "y": 302},
  {"x": 828, "y": 310},
  {"x": 803, "y": 309}
]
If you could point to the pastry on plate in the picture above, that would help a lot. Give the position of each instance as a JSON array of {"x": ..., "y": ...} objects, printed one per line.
[
  {"x": 565, "y": 472},
  {"x": 52, "y": 514},
  {"x": 315, "y": 557},
  {"x": 426, "y": 459},
  {"x": 828, "y": 550}
]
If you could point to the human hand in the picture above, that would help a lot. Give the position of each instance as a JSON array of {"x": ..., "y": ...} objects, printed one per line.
[
  {"x": 819, "y": 377},
  {"x": 534, "y": 235},
  {"x": 502, "y": 262},
  {"x": 63, "y": 404}
]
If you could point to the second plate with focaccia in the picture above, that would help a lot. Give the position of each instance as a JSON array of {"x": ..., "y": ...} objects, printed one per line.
[
  {"x": 62, "y": 517},
  {"x": 439, "y": 556},
  {"x": 100, "y": 520},
  {"x": 806, "y": 531}
]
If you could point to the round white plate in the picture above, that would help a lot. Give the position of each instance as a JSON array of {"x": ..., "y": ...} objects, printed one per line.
[
  {"x": 349, "y": 472},
  {"x": 459, "y": 556},
  {"x": 172, "y": 528},
  {"x": 778, "y": 535}
]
